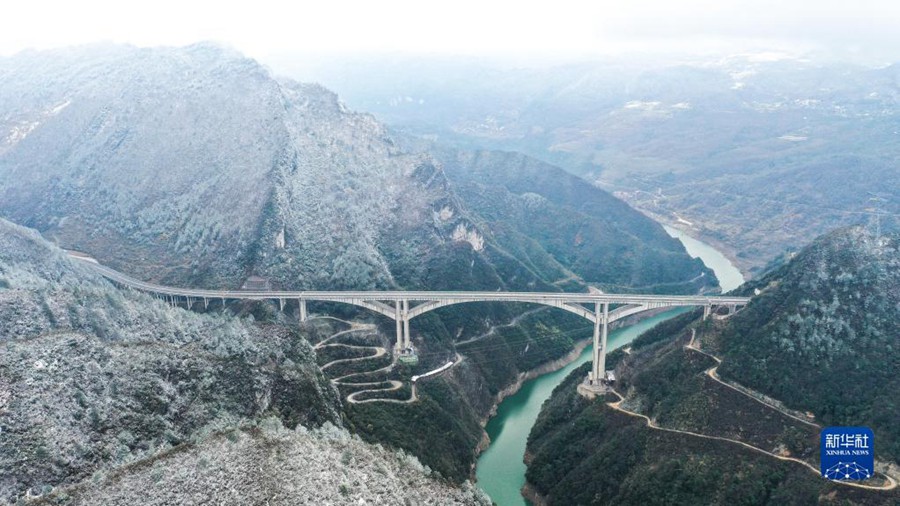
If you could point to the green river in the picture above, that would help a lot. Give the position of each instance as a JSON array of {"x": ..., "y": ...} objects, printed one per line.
[{"x": 500, "y": 469}]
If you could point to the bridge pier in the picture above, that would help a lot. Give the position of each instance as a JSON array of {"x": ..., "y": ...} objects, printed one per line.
[
  {"x": 406, "y": 344},
  {"x": 399, "y": 344},
  {"x": 601, "y": 332},
  {"x": 303, "y": 315},
  {"x": 401, "y": 317},
  {"x": 707, "y": 309}
]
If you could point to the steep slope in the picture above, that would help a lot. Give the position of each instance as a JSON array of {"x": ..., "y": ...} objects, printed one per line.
[
  {"x": 92, "y": 377},
  {"x": 195, "y": 166},
  {"x": 819, "y": 337},
  {"x": 529, "y": 205},
  {"x": 822, "y": 334},
  {"x": 267, "y": 464},
  {"x": 586, "y": 452},
  {"x": 758, "y": 153}
]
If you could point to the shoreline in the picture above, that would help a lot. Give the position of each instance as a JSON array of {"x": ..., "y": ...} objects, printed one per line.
[
  {"x": 546, "y": 368},
  {"x": 744, "y": 266},
  {"x": 721, "y": 262},
  {"x": 532, "y": 495}
]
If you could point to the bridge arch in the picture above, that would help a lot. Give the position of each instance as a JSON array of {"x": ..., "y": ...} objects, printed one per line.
[
  {"x": 436, "y": 304},
  {"x": 381, "y": 302}
]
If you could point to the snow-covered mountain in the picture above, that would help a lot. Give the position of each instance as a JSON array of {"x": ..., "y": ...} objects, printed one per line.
[{"x": 196, "y": 166}]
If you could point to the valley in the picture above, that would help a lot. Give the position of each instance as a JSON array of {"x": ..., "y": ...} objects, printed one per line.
[
  {"x": 501, "y": 468},
  {"x": 606, "y": 281},
  {"x": 756, "y": 153},
  {"x": 677, "y": 381}
]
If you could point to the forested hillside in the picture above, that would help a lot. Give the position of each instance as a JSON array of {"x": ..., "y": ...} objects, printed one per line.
[
  {"x": 584, "y": 452},
  {"x": 783, "y": 356},
  {"x": 822, "y": 335},
  {"x": 531, "y": 206}
]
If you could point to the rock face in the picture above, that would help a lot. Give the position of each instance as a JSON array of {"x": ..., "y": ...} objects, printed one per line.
[
  {"x": 92, "y": 378},
  {"x": 196, "y": 163},
  {"x": 196, "y": 166}
]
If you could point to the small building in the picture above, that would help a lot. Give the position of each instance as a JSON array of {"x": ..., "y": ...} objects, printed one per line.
[
  {"x": 611, "y": 377},
  {"x": 408, "y": 356},
  {"x": 410, "y": 359},
  {"x": 258, "y": 283}
]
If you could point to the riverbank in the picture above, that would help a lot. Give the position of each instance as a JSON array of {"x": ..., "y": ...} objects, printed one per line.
[
  {"x": 555, "y": 365},
  {"x": 532, "y": 496},
  {"x": 500, "y": 470},
  {"x": 743, "y": 265}
]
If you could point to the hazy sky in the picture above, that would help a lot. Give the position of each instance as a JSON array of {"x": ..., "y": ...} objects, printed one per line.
[{"x": 868, "y": 28}]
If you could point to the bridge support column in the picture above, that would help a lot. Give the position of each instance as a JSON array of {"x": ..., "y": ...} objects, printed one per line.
[
  {"x": 205, "y": 303},
  {"x": 302, "y": 310},
  {"x": 406, "y": 344},
  {"x": 601, "y": 331},
  {"x": 706, "y": 311},
  {"x": 397, "y": 318},
  {"x": 281, "y": 305}
]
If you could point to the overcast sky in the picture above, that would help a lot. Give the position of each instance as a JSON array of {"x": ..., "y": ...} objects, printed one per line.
[{"x": 862, "y": 28}]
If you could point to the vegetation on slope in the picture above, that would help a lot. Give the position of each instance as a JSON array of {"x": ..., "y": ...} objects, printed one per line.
[
  {"x": 585, "y": 452},
  {"x": 92, "y": 377},
  {"x": 822, "y": 334},
  {"x": 788, "y": 343},
  {"x": 268, "y": 464}
]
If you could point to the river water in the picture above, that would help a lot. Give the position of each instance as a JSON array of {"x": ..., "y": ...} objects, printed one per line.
[{"x": 500, "y": 469}]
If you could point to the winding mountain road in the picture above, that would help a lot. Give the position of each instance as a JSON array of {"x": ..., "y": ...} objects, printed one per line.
[{"x": 891, "y": 482}]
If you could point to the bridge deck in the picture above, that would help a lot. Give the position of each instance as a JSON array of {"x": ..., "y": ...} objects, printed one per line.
[{"x": 461, "y": 296}]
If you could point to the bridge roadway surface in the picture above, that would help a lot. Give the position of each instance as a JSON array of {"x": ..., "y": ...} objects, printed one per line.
[
  {"x": 597, "y": 310},
  {"x": 547, "y": 298}
]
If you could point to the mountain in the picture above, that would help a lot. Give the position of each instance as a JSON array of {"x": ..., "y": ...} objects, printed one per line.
[
  {"x": 758, "y": 153},
  {"x": 815, "y": 347},
  {"x": 822, "y": 334},
  {"x": 194, "y": 165},
  {"x": 532, "y": 207},
  {"x": 108, "y": 394},
  {"x": 197, "y": 167}
]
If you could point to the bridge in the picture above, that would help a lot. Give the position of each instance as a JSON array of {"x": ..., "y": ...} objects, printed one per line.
[{"x": 403, "y": 306}]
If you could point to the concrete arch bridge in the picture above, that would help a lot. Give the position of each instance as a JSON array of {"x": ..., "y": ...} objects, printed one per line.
[{"x": 403, "y": 306}]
